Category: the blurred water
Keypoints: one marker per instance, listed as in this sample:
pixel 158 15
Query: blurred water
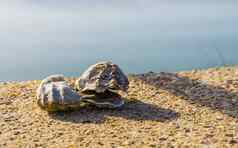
pixel 47 37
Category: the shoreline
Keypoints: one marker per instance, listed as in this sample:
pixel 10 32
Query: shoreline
pixel 128 74
pixel 194 108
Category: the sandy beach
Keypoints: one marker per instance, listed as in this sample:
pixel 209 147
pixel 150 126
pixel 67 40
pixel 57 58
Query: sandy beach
pixel 196 108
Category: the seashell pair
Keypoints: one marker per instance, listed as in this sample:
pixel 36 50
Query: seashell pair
pixel 103 85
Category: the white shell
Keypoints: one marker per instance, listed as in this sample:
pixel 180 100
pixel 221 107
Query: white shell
pixel 55 94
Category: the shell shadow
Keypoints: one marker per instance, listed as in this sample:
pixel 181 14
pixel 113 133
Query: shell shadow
pixel 134 110
pixel 194 91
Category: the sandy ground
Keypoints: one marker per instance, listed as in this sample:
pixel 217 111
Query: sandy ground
pixel 187 109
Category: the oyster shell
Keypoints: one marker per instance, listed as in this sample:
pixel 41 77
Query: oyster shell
pixel 55 94
pixel 104 100
pixel 106 81
pixel 102 77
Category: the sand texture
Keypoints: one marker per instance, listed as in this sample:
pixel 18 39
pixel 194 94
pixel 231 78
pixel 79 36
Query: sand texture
pixel 196 108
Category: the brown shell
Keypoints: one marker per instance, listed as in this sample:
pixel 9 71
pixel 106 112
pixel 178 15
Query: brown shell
pixel 102 77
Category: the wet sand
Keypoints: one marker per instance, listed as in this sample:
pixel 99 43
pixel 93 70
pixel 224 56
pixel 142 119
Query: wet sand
pixel 186 109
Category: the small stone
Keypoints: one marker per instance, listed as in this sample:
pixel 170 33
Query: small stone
pixel 219 118
pixel 4 144
pixel 100 143
pixel 229 135
pixel 87 132
pixel 23 136
pixel 16 132
pixel 162 139
pixel 233 141
pixel 209 135
pixel 207 126
pixel 152 145
pixel 187 130
pixel 36 140
pixel 60 134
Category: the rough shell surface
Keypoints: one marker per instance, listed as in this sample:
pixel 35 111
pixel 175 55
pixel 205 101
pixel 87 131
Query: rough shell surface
pixel 105 100
pixel 102 77
pixel 55 94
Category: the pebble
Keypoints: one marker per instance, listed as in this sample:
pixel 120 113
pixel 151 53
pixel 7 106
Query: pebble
pixel 162 139
pixel 233 141
pixel 229 135
pixel 219 118
pixel 17 132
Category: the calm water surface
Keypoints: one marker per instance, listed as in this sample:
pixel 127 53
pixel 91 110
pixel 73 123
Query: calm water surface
pixel 42 38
